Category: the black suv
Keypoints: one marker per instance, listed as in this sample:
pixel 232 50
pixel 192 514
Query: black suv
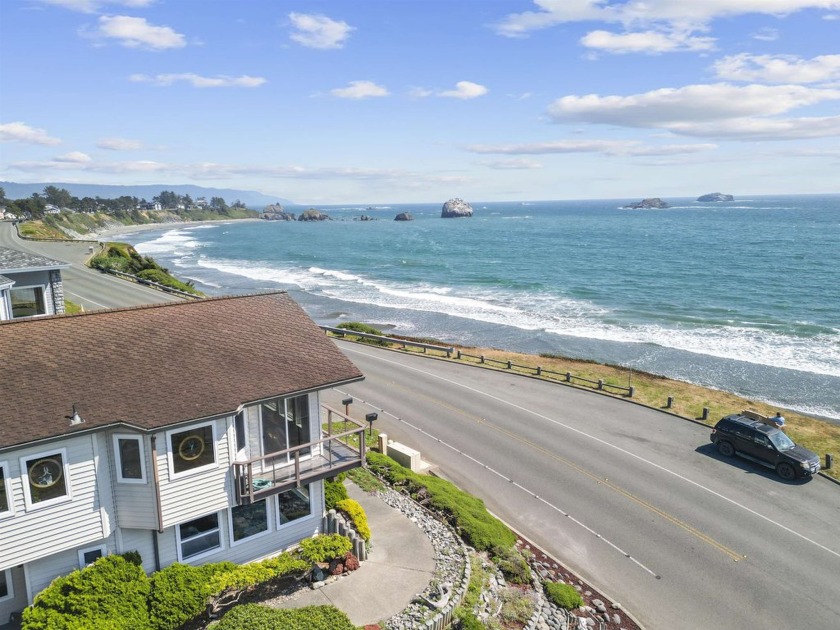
pixel 764 444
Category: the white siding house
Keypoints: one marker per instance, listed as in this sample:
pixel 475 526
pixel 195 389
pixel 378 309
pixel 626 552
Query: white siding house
pixel 152 444
pixel 30 285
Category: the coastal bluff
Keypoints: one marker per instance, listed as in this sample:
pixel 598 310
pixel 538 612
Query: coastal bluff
pixel 652 203
pixel 716 196
pixel 456 208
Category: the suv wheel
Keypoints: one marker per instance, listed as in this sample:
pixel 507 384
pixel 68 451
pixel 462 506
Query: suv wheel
pixel 725 448
pixel 786 471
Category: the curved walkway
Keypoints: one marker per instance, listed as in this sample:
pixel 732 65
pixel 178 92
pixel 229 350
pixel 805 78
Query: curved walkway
pixel 400 565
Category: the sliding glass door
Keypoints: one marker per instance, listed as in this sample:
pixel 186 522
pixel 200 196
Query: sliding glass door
pixel 285 424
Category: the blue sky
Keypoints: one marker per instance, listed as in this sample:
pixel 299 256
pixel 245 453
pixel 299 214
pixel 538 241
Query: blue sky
pixel 389 101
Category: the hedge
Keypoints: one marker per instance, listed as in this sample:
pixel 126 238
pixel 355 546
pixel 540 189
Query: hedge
pixel 334 491
pixel 111 594
pixel 179 593
pixel 255 617
pixel 325 548
pixel 357 514
pixel 466 513
pixel 563 595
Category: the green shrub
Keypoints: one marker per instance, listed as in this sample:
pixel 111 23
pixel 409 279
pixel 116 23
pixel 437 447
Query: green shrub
pixel 325 548
pixel 179 593
pixel 563 595
pixel 255 617
pixel 357 514
pixel 245 575
pixel 513 564
pixel 466 513
pixel 111 594
pixel 162 277
pixel 334 491
pixel 517 606
pixel 368 330
pixel 468 621
pixel 133 557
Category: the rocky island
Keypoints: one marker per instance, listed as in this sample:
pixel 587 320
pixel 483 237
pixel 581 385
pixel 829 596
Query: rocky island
pixel 455 208
pixel 716 196
pixel 404 216
pixel 275 212
pixel 652 203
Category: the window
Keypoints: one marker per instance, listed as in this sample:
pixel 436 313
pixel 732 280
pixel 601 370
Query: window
pixel 6 590
pixel 45 478
pixel 130 459
pixel 285 424
pixel 192 449
pixel 240 433
pixel 90 555
pixel 27 301
pixel 248 520
pixel 293 504
pixel 5 491
pixel 199 536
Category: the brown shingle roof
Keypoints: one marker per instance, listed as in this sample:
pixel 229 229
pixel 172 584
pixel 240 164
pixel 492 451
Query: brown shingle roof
pixel 158 365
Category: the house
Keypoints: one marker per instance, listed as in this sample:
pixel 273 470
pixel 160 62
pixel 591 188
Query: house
pixel 30 284
pixel 189 432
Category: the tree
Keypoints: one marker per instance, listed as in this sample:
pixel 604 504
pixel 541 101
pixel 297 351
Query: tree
pixel 218 204
pixel 58 197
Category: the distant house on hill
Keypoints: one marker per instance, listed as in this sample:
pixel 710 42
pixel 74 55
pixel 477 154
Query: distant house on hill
pixel 189 432
pixel 30 285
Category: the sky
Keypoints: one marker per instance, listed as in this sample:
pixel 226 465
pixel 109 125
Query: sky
pixel 420 101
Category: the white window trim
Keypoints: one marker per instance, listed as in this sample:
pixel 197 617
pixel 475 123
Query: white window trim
pixel 118 458
pixel 10 586
pixel 241 454
pixel 24 478
pixel 46 296
pixel 188 473
pixel 280 525
pixel 203 554
pixel 4 467
pixel 269 505
pixel 82 552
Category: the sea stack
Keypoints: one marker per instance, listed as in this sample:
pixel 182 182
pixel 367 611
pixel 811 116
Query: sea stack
pixel 716 197
pixel 404 216
pixel 455 208
pixel 275 212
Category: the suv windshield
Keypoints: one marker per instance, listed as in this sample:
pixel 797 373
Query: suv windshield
pixel 781 441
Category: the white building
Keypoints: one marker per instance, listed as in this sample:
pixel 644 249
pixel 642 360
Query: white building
pixel 189 432
pixel 30 285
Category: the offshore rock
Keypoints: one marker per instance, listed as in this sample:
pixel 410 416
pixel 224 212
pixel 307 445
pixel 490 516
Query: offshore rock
pixel 455 208
pixel 404 216
pixel 716 197
pixel 646 204
pixel 275 212
pixel 313 215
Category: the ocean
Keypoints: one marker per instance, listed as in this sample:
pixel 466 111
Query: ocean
pixel 741 296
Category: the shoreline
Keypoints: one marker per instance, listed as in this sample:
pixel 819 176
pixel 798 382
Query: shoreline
pixel 103 234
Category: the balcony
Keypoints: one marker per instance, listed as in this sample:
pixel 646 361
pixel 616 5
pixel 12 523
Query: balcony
pixel 341 448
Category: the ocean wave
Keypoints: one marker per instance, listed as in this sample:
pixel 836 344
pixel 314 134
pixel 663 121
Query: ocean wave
pixel 170 242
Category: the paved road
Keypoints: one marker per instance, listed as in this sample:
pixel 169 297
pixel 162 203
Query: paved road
pixel 89 288
pixel 633 499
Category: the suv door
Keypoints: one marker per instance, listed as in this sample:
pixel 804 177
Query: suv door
pixel 764 450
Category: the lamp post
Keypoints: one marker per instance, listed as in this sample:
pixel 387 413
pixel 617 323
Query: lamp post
pixel 370 418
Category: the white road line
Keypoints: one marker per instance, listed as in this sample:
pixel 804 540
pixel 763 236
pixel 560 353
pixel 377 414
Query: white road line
pixel 613 446
pixel 76 295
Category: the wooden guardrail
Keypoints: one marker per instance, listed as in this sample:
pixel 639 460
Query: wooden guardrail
pixel 150 283
pixel 448 350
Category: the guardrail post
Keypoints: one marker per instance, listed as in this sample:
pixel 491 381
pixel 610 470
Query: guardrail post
pixel 458 356
pixel 539 370
pixel 630 391
pixel 510 365
pixel 829 460
pixel 568 377
pixel 600 384
pixel 670 402
pixel 705 414
pixel 481 359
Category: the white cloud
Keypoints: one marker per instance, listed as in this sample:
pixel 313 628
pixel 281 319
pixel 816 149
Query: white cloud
pixel 506 165
pixel 199 81
pixel 629 12
pixel 465 90
pixel 134 32
pixel 673 108
pixel 92 6
pixel 319 31
pixel 778 68
pixel 360 90
pixel 763 128
pixel 74 157
pixel 119 144
pixel 21 132
pixel 653 42
pixel 766 34
pixel 605 147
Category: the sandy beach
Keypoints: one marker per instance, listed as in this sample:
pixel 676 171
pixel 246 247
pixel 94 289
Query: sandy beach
pixel 106 232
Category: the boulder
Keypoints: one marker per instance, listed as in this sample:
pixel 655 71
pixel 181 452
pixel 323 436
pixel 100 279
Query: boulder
pixel 716 197
pixel 646 204
pixel 455 208
pixel 404 216
pixel 313 215
pixel 275 212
